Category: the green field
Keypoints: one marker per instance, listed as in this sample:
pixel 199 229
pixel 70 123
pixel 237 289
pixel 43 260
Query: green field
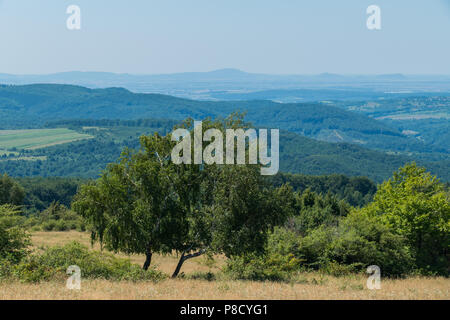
pixel 38 138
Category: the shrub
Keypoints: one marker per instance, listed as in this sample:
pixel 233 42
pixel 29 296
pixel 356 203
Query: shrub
pixel 14 241
pixel 315 210
pixel 57 218
pixel 272 267
pixel 415 204
pixel 62 225
pixel 49 225
pixel 53 263
pixel 358 241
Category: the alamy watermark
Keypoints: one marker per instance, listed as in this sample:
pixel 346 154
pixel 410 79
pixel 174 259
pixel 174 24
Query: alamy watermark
pixel 374 280
pixel 74 20
pixel 235 151
pixel 374 20
pixel 74 281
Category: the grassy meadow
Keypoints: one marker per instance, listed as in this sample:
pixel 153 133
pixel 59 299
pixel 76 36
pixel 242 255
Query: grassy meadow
pixel 37 138
pixel 194 284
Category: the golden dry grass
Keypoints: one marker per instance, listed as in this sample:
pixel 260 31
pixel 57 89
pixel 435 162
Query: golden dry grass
pixel 165 263
pixel 327 288
pixel 308 285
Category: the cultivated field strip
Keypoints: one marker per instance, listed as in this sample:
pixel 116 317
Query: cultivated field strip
pixel 38 138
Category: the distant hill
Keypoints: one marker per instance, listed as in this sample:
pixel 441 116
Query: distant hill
pixel 34 105
pixel 215 75
pixel 297 154
pixel 303 155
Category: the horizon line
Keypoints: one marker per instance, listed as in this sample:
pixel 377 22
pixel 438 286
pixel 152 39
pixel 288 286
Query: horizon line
pixel 235 70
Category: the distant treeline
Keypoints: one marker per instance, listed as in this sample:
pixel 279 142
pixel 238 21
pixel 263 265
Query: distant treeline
pixel 149 123
pixel 357 191
pixel 38 193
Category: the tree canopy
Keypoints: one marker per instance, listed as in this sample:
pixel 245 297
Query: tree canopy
pixel 145 203
pixel 417 206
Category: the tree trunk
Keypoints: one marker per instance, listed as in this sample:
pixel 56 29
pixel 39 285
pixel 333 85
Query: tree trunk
pixel 179 265
pixel 148 258
pixel 183 259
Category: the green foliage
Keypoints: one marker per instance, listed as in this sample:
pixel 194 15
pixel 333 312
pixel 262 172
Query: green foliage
pixel 302 155
pixel 53 263
pixel 366 241
pixel 146 203
pixel 278 263
pixel 14 241
pixel 404 231
pixel 298 154
pixel 274 267
pixel 40 192
pixel 58 218
pixel 55 218
pixel 10 191
pixel 357 191
pixel 244 210
pixel 416 206
pixel 357 242
pixel 313 210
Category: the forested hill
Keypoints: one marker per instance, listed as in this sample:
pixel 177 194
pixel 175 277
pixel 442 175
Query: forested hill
pixel 33 105
pixel 298 154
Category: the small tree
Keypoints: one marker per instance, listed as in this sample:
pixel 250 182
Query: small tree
pixel 146 203
pixel 10 191
pixel 13 239
pixel 414 204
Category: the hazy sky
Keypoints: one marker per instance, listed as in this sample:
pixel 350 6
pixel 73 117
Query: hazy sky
pixel 263 36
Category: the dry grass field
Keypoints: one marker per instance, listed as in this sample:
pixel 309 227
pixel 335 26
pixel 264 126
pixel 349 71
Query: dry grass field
pixel 307 285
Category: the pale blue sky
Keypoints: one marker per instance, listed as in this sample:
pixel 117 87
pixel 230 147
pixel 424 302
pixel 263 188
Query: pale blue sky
pixel 263 36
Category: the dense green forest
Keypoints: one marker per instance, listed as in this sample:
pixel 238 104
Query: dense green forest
pixel 34 105
pixel 298 154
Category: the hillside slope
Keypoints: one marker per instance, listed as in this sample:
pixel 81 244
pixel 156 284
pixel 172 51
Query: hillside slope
pixel 34 105
pixel 298 154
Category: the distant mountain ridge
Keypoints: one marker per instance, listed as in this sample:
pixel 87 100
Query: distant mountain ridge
pixel 188 84
pixel 230 73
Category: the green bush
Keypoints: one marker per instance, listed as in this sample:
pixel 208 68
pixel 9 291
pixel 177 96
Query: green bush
pixel 33 270
pixel 62 225
pixel 80 226
pixel 54 261
pixel 355 243
pixel 314 210
pixel 358 241
pixel 49 225
pixel 5 268
pixel 272 267
pixel 417 207
pixel 14 241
